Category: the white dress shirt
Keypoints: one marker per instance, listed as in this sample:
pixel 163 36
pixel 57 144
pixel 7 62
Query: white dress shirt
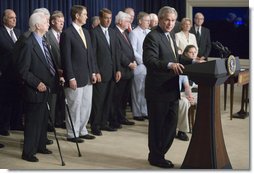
pixel 182 41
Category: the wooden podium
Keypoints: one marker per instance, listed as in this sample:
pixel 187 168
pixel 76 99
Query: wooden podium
pixel 207 147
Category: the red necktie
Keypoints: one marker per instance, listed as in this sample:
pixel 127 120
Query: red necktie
pixel 125 37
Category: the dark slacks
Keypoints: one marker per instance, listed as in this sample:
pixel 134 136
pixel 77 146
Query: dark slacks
pixel 121 97
pixel 102 102
pixel 163 118
pixel 35 134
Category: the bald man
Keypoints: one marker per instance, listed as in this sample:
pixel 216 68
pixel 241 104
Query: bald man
pixel 9 91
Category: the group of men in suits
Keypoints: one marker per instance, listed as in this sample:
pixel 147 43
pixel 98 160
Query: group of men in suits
pixel 96 68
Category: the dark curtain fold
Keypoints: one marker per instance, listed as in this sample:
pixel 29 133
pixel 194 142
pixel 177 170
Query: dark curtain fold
pixel 24 8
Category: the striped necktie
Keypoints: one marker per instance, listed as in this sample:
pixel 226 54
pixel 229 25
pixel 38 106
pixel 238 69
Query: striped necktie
pixel 48 57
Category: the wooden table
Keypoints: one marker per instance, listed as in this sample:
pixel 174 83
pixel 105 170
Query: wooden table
pixel 243 79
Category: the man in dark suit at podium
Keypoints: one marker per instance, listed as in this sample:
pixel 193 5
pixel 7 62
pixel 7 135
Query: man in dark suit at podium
pixel 202 35
pixel 162 86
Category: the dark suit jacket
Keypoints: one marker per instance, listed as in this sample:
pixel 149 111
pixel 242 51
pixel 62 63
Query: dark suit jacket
pixel 54 46
pixel 33 69
pixel 6 50
pixel 107 57
pixel 77 61
pixel 204 46
pixel 126 55
pixel 161 83
pixel 8 77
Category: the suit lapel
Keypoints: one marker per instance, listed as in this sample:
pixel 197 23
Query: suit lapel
pixel 53 38
pixel 166 42
pixel 7 36
pixel 102 35
pixel 39 52
pixel 17 32
pixel 77 36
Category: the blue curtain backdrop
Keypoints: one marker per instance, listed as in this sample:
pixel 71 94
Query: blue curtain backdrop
pixel 24 8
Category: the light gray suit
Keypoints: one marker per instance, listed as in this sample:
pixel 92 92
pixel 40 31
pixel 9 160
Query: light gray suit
pixel 139 107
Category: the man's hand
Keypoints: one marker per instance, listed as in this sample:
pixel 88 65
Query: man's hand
pixel 41 87
pixel 61 79
pixel 132 65
pixel 191 99
pixel 118 76
pixel 94 79
pixel 177 68
pixel 98 76
pixel 73 84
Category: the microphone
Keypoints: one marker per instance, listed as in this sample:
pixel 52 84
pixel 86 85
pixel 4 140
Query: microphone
pixel 224 51
pixel 221 46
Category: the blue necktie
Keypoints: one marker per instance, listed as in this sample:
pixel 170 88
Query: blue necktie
pixel 12 36
pixel 107 36
pixel 48 58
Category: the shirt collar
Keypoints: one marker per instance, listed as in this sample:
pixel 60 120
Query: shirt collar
pixel 8 29
pixel 77 27
pixel 103 28
pixel 120 29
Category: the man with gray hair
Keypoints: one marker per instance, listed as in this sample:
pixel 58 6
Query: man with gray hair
pixel 127 65
pixel 162 86
pixel 95 20
pixel 153 20
pixel 38 71
pixel 137 36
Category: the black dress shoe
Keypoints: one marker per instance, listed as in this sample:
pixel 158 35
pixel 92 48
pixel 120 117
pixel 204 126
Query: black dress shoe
pixel 182 136
pixel 127 122
pixel 45 151
pixel 63 126
pixel 18 128
pixel 162 163
pixel 87 136
pixel 50 128
pixel 115 125
pixel 139 118
pixel 30 158
pixel 4 133
pixel 96 132
pixel 49 142
pixel 74 140
pixel 1 145
pixel 108 128
pixel 146 117
pixel 170 163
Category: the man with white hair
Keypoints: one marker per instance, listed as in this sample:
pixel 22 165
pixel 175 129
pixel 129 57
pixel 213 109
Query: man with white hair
pixel 153 20
pixel 127 65
pixel 38 71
